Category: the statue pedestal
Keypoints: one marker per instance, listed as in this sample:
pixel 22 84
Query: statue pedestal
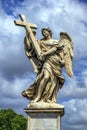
pixel 44 119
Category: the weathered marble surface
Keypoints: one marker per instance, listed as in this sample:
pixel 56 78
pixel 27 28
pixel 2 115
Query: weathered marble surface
pixel 44 119
pixel 39 105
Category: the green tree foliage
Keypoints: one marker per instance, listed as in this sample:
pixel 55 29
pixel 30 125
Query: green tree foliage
pixel 9 120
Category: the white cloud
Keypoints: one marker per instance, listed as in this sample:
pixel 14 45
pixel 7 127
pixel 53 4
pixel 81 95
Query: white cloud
pixel 10 96
pixel 75 114
pixel 15 87
pixel 74 87
pixel 60 16
pixel 12 55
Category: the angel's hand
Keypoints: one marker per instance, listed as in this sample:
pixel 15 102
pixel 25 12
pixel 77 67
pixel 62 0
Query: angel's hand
pixel 42 56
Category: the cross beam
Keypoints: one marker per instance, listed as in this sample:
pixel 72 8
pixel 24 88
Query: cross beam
pixel 29 26
pixel 24 22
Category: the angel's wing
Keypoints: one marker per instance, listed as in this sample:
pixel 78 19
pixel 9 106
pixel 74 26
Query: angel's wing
pixel 68 53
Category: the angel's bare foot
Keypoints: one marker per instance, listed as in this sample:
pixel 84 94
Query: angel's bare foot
pixel 42 100
pixel 35 100
pixel 49 101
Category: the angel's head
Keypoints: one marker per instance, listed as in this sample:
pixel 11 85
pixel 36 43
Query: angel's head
pixel 46 32
pixel 64 35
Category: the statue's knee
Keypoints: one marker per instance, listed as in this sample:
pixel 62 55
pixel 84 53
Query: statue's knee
pixel 46 78
pixel 54 83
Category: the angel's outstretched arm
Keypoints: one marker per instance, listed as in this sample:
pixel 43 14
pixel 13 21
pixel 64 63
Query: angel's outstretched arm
pixel 51 51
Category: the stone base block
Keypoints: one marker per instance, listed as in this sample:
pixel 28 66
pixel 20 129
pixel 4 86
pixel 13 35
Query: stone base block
pixel 44 119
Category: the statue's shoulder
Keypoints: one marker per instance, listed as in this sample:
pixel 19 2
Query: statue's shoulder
pixel 54 40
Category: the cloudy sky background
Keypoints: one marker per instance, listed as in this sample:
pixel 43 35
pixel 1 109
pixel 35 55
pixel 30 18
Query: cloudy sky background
pixel 16 72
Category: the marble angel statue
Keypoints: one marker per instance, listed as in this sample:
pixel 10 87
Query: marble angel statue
pixel 48 57
pixel 55 54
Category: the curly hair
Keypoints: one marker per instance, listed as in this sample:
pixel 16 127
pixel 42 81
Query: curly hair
pixel 47 29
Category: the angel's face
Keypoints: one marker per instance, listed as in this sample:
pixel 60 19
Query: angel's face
pixel 45 33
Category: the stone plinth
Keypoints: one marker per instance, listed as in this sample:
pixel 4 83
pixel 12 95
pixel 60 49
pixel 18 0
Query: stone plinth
pixel 44 119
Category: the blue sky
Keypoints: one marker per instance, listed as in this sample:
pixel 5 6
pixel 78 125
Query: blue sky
pixel 16 72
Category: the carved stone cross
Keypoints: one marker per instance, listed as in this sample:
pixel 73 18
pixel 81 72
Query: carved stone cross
pixel 28 27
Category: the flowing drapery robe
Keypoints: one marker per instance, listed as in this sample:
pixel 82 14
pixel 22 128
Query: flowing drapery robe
pixel 53 64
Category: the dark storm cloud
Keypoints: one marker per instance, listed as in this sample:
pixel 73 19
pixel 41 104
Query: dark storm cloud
pixel 10 96
pixel 76 117
pixel 13 61
pixel 10 5
pixel 15 66
pixel 17 105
